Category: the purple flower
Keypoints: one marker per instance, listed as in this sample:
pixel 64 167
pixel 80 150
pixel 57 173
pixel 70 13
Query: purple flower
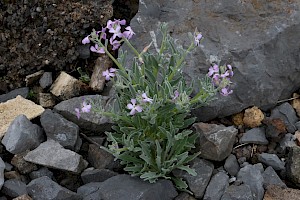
pixel 133 107
pixel 129 33
pixel 77 112
pixel 226 74
pixel 176 95
pixel 216 79
pixel 115 27
pixel 146 99
pixel 226 91
pixel 115 43
pixel 229 67
pixel 197 37
pixel 86 40
pixel 109 73
pixel 97 49
pixel 212 70
pixel 103 30
pixel 86 108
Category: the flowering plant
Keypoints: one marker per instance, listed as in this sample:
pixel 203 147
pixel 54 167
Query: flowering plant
pixel 152 103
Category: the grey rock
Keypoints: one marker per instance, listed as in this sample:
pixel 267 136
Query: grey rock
pixel 46 154
pixel 287 141
pixel 44 171
pixel 198 183
pixel 293 165
pixel 46 80
pixel 245 34
pixel 44 188
pixel 96 175
pixel 22 165
pixel 287 113
pixel 14 93
pixel 271 160
pixel 91 121
pixel 297 124
pixel 215 141
pixel 251 176
pixel 217 186
pixel 8 166
pixel 255 136
pixel 14 188
pixel 184 196
pixel 2 167
pixel 271 178
pixel 231 165
pixel 240 192
pixel 61 130
pixel 22 135
pixel 89 188
pixel 125 187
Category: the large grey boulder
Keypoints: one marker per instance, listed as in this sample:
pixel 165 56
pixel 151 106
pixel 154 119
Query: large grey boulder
pixel 260 39
pixel 52 154
pixel 22 135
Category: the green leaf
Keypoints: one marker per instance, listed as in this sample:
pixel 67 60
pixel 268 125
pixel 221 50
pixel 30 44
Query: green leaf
pixel 158 154
pixel 188 170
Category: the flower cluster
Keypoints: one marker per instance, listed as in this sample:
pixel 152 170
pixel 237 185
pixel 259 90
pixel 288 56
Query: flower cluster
pixel 134 107
pixel 85 108
pixel 221 78
pixel 113 27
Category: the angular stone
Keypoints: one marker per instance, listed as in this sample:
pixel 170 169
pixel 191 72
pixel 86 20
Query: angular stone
pixel 253 117
pixel 2 167
pixel 61 130
pixel 14 93
pixel 23 197
pixel 44 171
pixel 251 176
pixel 275 192
pixel 96 175
pixel 103 63
pixel 32 78
pixel 231 165
pixel 255 136
pixel 47 155
pixel 46 80
pixel 15 107
pixel 246 34
pixel 271 160
pixel 46 100
pixel 14 188
pixel 217 186
pixel 91 121
pixel 293 165
pixel 99 158
pixel 215 141
pixel 66 86
pixel 22 135
pixel 271 178
pixel 45 188
pixel 287 113
pixel 198 183
pixel 240 192
pixel 184 196
pixel 287 141
pixel 89 188
pixel 125 187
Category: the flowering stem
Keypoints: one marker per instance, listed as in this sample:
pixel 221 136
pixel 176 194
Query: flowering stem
pixel 131 47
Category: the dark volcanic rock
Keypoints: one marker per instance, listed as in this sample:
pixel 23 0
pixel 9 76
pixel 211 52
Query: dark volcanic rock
pixel 260 39
pixel 293 165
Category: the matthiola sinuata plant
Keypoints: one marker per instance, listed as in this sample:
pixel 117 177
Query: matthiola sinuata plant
pixel 152 106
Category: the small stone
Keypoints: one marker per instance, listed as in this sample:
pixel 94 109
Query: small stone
pixel 215 142
pixel 293 165
pixel 287 141
pixel 253 117
pixel 96 175
pixel 184 196
pixel 15 107
pixel 23 197
pixel 297 136
pixel 237 119
pixel 275 192
pixel 296 103
pixel 45 188
pixel 22 165
pixel 22 135
pixel 276 128
pixel 46 80
pixel 231 165
pixel 254 136
pixel 46 100
pixel 217 186
pixel 14 188
pixel 46 154
pixel 32 78
pixel 271 160
pixel 240 192
pixel 2 167
pixel 66 86
pixel 99 158
pixel 44 171
pixel 14 93
pixel 271 178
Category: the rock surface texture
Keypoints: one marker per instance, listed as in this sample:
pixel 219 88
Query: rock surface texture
pixel 260 39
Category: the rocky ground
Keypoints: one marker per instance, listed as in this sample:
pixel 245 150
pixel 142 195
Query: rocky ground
pixel 48 153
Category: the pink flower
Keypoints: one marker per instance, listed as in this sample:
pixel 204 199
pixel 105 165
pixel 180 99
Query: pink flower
pixel 226 91
pixel 115 43
pixel 213 69
pixel 146 99
pixel 129 33
pixel 86 108
pixel 77 112
pixel 86 40
pixel 197 37
pixel 97 49
pixel 115 27
pixel 109 73
pixel 133 107
pixel 176 95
